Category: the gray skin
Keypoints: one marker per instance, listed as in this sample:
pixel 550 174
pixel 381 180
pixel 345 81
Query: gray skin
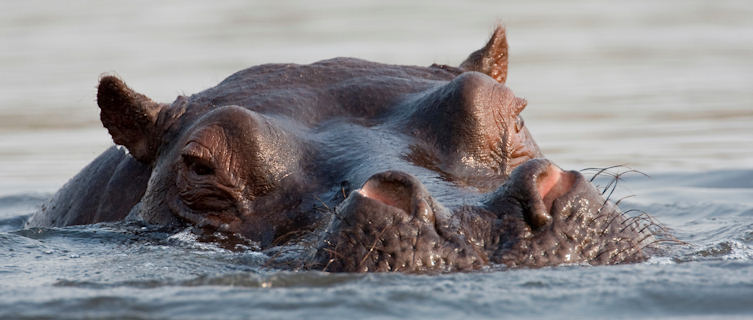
pixel 450 178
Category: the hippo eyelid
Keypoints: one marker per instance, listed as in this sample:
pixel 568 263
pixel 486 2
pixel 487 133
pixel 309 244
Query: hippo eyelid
pixel 198 166
pixel 197 150
pixel 198 159
pixel 519 123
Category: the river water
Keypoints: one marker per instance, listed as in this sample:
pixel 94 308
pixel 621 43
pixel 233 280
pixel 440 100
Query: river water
pixel 663 87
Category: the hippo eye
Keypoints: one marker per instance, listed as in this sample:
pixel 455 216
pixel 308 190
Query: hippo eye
pixel 519 123
pixel 197 165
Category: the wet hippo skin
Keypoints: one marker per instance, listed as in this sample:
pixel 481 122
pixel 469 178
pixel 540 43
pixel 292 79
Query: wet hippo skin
pixel 375 167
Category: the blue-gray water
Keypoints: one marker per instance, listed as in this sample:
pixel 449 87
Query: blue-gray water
pixel 660 86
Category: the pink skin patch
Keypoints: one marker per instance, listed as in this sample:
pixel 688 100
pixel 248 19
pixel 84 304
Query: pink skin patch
pixel 553 184
pixel 391 194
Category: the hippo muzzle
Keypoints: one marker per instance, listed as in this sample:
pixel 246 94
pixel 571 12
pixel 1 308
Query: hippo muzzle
pixel 542 216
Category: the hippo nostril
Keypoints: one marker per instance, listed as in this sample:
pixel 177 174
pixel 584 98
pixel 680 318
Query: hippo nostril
pixel 552 184
pixel 390 192
pixel 533 189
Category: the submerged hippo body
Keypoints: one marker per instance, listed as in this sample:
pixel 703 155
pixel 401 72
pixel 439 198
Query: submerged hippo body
pixel 380 167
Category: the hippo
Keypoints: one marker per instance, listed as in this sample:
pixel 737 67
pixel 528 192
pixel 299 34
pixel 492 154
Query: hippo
pixel 375 167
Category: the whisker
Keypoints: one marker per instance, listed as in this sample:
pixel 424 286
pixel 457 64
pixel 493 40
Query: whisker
pixel 606 227
pixel 600 171
pixel 333 252
pixel 649 219
pixel 323 203
pixel 612 184
pixel 644 228
pixel 373 245
pixel 597 217
pixel 642 216
pixel 598 212
pixel 635 222
pixel 605 171
pixel 599 254
pixel 616 255
pixel 673 241
pixel 635 171
pixel 329 262
pixel 644 238
pixel 635 210
pixel 617 203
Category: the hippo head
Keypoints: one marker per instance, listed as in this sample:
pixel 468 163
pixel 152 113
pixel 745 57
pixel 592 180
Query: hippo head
pixel 449 176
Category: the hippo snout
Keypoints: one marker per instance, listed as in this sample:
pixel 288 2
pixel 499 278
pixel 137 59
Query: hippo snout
pixel 567 220
pixel 541 216
pixel 536 186
pixel 391 224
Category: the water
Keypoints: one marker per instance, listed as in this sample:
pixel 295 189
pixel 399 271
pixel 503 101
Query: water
pixel 659 86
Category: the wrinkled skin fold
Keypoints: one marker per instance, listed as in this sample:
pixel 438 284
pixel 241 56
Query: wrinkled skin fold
pixel 366 166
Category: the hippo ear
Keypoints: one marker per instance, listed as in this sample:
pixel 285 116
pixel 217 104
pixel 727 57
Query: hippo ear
pixel 492 58
pixel 129 117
